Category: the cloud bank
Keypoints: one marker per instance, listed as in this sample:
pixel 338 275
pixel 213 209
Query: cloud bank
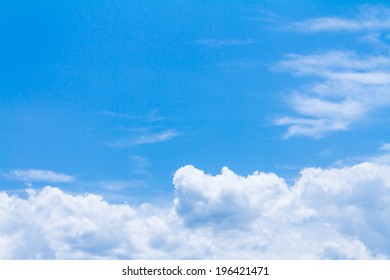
pixel 326 214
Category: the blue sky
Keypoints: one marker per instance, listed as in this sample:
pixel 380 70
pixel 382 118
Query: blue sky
pixel 114 97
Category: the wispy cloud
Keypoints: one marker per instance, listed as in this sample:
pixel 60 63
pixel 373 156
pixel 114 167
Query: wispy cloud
pixel 151 116
pixel 141 129
pixel 119 185
pixel 140 164
pixel 370 18
pixel 146 138
pixel 225 42
pixel 119 115
pixel 332 62
pixel 382 156
pixel 344 88
pixel 37 175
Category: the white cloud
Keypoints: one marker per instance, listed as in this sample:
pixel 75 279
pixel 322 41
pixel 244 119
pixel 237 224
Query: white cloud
pixel 203 198
pixel 345 88
pixel 370 18
pixel 37 175
pixel 328 213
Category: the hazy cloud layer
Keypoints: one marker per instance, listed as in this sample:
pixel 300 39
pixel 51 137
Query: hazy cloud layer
pixel 369 18
pixel 328 213
pixel 37 175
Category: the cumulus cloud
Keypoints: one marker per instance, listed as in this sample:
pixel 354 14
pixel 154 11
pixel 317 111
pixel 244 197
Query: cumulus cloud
pixel 37 175
pixel 203 198
pixel 327 214
pixel 346 88
pixel 52 224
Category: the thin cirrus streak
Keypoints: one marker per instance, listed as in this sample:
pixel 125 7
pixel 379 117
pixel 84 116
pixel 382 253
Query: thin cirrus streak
pixel 225 42
pixel 145 138
pixel 152 116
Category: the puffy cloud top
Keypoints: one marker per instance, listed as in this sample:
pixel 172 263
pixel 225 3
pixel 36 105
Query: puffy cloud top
pixel 229 198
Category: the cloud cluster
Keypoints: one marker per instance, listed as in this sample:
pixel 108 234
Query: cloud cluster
pixel 347 87
pixel 342 87
pixel 328 213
